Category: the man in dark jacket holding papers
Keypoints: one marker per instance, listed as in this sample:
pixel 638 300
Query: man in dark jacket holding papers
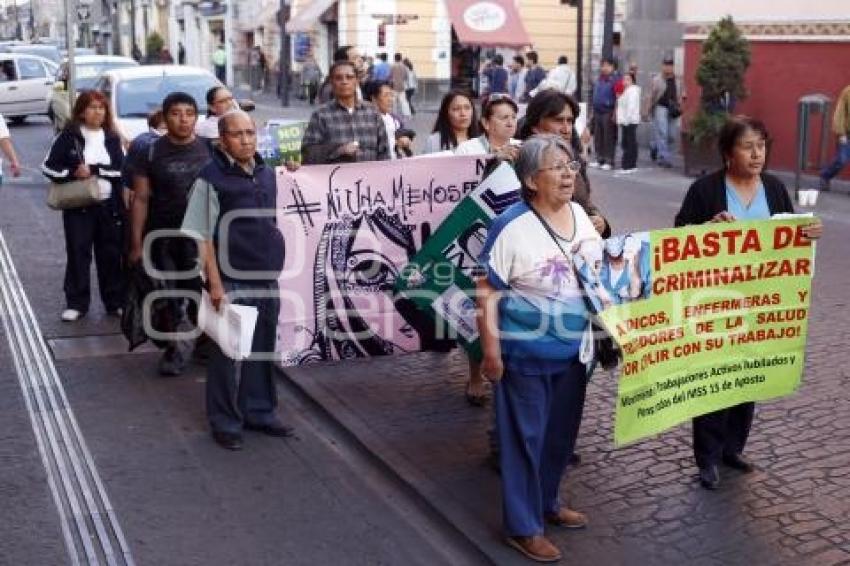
pixel 232 211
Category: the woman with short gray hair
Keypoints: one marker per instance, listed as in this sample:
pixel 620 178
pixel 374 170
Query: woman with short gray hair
pixel 532 318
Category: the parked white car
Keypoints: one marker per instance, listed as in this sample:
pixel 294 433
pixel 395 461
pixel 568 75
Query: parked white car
pixel 26 82
pixel 88 70
pixel 135 92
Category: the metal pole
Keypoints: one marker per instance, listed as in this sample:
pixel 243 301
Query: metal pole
pixel 579 48
pixel 608 30
pixel 132 26
pixel 229 44
pixel 33 27
pixel 19 32
pixel 285 52
pixel 70 27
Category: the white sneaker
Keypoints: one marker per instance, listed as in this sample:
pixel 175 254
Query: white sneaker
pixel 594 164
pixel 70 315
pixel 606 167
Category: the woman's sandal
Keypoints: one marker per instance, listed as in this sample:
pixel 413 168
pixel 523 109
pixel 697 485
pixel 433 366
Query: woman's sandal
pixel 475 400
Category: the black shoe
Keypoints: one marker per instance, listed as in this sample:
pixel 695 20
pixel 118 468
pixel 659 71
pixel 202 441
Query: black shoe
pixel 228 440
pixel 277 429
pixel 494 463
pixel 665 164
pixel 575 459
pixel 653 154
pixel 709 477
pixel 738 462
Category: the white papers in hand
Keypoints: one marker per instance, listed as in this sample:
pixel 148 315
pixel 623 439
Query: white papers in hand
pixel 232 328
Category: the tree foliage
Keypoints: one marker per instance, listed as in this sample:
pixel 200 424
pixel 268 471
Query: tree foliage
pixel 720 74
pixel 153 44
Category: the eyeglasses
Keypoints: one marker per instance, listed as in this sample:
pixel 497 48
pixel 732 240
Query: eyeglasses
pixel 564 166
pixel 222 100
pixel 241 133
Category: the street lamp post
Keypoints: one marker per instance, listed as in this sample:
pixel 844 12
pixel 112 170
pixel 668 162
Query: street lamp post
pixel 229 44
pixel 70 26
pixel 132 26
pixel 579 48
pixel 608 30
pixel 285 51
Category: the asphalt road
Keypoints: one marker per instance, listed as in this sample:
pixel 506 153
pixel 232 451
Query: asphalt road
pixel 178 498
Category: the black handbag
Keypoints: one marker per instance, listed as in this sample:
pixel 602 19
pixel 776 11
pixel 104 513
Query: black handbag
pixel 674 110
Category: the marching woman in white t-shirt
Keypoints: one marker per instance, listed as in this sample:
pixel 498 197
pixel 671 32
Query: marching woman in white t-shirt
pixel 533 321
pixel 499 122
pixel 90 146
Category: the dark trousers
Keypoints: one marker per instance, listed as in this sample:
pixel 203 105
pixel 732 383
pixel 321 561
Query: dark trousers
pixel 538 414
pixel 409 93
pixel 604 137
pixel 221 73
pixel 842 158
pixel 312 92
pixel 722 433
pixel 630 146
pixel 100 228
pixel 252 398
pixel 178 256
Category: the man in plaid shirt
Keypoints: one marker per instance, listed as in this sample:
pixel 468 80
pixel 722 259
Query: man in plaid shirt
pixel 345 129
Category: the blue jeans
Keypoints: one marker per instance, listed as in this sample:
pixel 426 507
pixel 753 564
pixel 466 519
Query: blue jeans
pixel 842 158
pixel 661 141
pixel 538 414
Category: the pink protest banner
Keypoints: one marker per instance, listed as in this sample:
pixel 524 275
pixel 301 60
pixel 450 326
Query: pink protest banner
pixel 349 229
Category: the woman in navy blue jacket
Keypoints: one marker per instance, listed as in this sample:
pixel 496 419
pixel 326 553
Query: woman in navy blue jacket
pixel 90 146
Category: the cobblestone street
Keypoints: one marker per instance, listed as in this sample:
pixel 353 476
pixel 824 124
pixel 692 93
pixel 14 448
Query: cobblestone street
pixel 644 502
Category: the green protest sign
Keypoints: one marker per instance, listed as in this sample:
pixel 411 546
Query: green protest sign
pixel 439 279
pixel 281 141
pixel 723 322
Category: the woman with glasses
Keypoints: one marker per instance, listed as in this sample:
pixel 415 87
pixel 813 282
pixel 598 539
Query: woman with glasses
pixel 498 120
pixel 220 101
pixel 456 123
pixel 739 191
pixel 532 317
pixel 553 112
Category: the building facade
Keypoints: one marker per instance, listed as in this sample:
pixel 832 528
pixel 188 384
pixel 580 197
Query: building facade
pixel 425 33
pixel 798 48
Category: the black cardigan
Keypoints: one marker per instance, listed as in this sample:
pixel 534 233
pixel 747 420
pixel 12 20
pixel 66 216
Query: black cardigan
pixel 65 156
pixel 707 197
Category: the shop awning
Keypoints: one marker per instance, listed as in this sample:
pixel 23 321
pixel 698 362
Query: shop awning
pixel 305 19
pixel 487 23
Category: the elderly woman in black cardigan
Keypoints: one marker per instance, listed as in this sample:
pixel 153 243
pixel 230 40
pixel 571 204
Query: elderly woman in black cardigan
pixel 739 191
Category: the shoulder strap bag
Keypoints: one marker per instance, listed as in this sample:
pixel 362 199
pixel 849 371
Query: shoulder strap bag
pixel 605 349
pixel 73 194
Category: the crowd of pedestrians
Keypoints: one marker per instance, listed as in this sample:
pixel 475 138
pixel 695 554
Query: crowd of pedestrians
pixel 180 178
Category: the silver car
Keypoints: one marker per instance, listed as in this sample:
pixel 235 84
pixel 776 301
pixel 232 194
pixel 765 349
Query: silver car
pixel 25 85
pixel 137 91
pixel 89 68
